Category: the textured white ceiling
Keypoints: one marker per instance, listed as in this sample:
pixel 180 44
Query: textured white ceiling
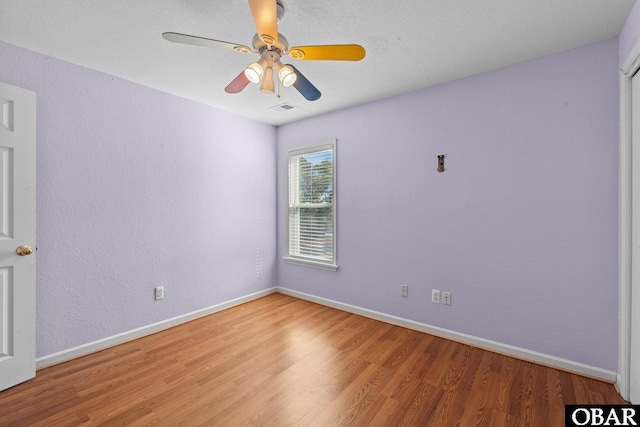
pixel 410 44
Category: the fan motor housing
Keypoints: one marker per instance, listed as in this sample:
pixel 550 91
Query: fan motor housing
pixel 281 46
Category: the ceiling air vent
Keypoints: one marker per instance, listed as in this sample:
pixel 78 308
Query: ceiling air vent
pixel 282 107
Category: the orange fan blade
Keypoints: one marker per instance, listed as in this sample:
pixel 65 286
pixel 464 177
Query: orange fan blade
pixel 265 16
pixel 334 52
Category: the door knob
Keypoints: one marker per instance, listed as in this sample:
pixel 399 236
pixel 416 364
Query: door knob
pixel 24 250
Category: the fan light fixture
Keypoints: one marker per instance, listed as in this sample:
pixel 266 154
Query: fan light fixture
pixel 286 74
pixel 267 85
pixel 254 71
pixel 263 71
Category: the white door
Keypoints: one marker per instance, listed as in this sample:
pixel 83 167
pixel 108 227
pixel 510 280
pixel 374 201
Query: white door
pixel 17 235
pixel 634 381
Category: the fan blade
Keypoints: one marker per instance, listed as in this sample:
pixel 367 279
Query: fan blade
pixel 237 84
pixel 265 16
pixel 333 52
pixel 201 41
pixel 305 87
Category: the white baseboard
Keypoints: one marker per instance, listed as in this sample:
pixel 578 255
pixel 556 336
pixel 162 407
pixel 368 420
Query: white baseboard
pixel 509 350
pixel 92 347
pixel 506 349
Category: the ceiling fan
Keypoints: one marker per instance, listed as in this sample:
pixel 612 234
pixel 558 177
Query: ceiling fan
pixel 271 46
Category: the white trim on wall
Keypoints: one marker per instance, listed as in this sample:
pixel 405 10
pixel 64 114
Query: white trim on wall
pixel 496 347
pixel 509 350
pixel 630 66
pixel 92 347
pixel 625 239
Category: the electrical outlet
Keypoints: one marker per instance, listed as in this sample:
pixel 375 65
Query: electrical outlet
pixel 159 293
pixel 446 298
pixel 404 290
pixel 435 296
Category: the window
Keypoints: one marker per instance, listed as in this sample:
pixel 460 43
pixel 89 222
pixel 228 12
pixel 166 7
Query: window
pixel 312 206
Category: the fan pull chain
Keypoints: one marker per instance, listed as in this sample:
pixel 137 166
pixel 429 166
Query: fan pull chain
pixel 278 95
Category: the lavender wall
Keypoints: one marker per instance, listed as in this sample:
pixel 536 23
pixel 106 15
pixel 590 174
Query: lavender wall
pixel 138 188
pixel 521 228
pixel 630 33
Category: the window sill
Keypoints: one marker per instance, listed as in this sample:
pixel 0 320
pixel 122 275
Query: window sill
pixel 310 263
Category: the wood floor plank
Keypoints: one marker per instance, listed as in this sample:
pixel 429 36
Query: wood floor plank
pixel 422 408
pixel 476 407
pixel 406 377
pixel 282 361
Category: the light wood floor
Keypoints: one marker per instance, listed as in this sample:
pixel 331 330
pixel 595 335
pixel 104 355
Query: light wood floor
pixel 281 361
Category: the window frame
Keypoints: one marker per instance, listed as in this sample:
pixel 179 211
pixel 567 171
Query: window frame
pixel 303 260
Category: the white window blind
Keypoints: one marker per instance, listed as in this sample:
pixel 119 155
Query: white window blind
pixel 311 231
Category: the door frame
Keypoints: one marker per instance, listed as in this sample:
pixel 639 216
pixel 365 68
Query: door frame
pixel 629 68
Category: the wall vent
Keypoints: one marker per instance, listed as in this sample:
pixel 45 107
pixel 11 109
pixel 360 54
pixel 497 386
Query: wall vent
pixel 282 107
